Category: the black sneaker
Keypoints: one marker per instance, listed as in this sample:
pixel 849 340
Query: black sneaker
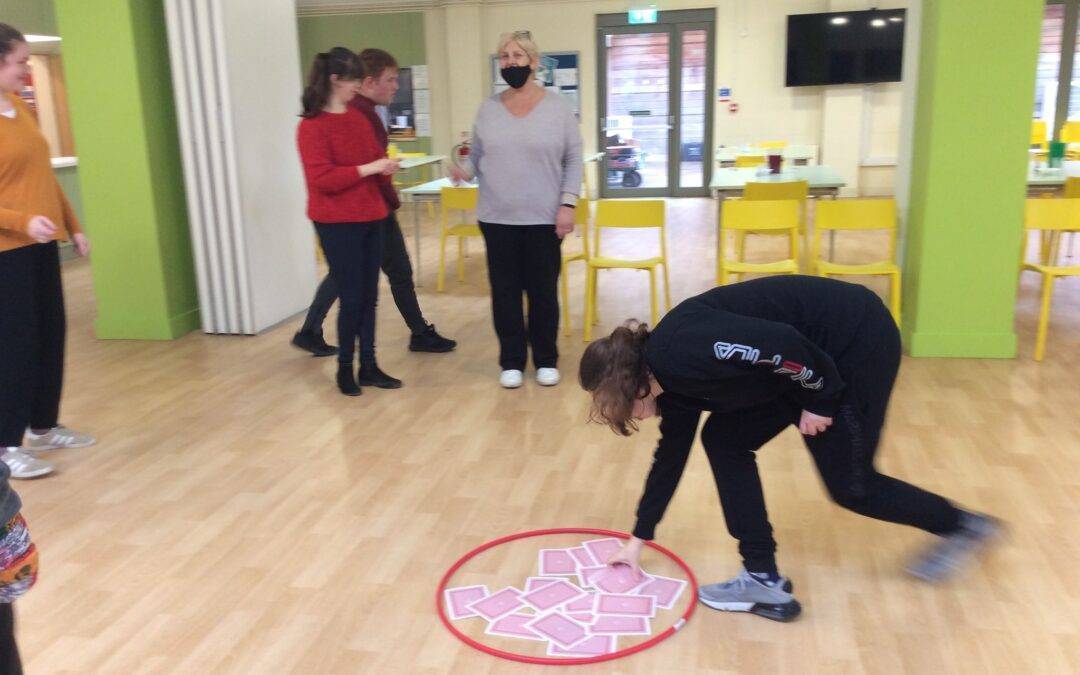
pixel 346 382
pixel 371 376
pixel 314 343
pixel 430 341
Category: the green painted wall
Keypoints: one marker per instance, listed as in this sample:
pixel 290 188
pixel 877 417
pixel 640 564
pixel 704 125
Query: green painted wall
pixel 968 183
pixel 400 33
pixel 30 16
pixel 123 118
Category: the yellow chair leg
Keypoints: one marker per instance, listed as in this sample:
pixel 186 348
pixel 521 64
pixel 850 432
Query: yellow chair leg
pixel 652 296
pixel 894 298
pixel 460 259
pixel 590 301
pixel 564 286
pixel 740 246
pixel 667 290
pixel 1044 317
pixel 441 283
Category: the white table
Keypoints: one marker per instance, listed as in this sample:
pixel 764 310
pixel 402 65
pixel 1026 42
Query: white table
pixel 823 181
pixel 796 154
pixel 419 194
pixel 414 162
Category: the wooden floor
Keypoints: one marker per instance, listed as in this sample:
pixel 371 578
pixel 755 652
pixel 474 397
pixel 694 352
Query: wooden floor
pixel 240 516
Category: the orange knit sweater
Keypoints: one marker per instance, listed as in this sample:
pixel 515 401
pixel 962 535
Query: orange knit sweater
pixel 28 185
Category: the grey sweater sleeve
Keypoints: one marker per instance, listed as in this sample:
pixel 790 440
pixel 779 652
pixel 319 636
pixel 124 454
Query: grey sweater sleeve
pixel 573 167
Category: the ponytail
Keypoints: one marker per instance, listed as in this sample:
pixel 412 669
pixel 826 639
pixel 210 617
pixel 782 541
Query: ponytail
pixel 614 371
pixel 338 61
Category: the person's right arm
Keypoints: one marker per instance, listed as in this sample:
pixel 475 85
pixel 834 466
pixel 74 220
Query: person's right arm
pixel 678 428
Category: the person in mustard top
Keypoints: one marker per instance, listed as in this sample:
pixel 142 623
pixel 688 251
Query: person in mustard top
pixel 34 216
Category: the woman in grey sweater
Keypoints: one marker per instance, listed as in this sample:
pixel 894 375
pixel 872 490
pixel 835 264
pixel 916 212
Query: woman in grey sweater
pixel 526 154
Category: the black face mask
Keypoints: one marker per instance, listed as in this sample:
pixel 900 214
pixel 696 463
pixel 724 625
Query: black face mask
pixel 516 76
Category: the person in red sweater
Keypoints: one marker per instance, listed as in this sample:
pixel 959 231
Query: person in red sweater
pixel 344 167
pixel 377 88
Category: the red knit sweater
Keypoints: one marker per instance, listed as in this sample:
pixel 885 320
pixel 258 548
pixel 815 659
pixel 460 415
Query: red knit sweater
pixel 332 146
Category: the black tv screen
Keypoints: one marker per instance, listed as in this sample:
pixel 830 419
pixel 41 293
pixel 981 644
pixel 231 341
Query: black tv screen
pixel 845 47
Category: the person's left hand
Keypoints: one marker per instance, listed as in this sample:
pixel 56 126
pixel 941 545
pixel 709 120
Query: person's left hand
pixel 564 221
pixel 812 425
pixel 82 244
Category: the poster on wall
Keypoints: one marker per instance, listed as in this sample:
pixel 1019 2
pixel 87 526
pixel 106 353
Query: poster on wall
pixel 557 72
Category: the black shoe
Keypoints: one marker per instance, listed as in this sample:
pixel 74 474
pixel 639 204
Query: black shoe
pixel 346 382
pixel 430 341
pixel 314 343
pixel 371 376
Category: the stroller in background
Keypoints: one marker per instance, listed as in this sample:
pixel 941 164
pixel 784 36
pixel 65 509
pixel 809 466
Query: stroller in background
pixel 624 158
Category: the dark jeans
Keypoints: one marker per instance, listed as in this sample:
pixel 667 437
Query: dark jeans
pixel 524 259
pixel 398 270
pixel 844 455
pixel 32 333
pixel 353 251
pixel 9 651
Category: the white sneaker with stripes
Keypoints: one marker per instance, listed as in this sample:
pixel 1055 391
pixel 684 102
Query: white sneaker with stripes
pixel 57 438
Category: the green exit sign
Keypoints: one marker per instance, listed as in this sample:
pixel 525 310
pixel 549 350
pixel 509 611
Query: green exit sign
pixel 636 16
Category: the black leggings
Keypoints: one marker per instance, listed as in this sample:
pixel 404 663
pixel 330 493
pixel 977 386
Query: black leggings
pixel 353 252
pixel 844 455
pixel 32 334
pixel 9 651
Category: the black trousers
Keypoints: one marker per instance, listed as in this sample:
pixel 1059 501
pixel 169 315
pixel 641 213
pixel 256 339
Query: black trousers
pixel 524 259
pixel 32 334
pixel 398 270
pixel 353 252
pixel 9 651
pixel 844 455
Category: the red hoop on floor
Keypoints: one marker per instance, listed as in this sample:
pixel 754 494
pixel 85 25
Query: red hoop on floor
pixel 547 660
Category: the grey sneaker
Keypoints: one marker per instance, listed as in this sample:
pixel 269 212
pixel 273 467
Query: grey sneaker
pixel 744 593
pixel 57 438
pixel 23 465
pixel 953 551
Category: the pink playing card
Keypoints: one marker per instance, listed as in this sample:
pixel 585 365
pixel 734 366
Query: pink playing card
pixel 620 625
pixel 590 646
pixel 551 596
pixel 556 561
pixel 497 604
pixel 559 628
pixel 603 549
pixel 582 617
pixel 626 605
pixel 665 589
pixel 618 579
pixel 513 625
pixel 533 583
pixel 582 556
pixel 585 603
pixel 458 599
pixel 587 575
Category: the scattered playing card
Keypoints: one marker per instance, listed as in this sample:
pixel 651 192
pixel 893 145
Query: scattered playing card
pixel 513 625
pixel 497 604
pixel 626 605
pixel 619 579
pixel 551 596
pixel 556 562
pixel 603 549
pixel 620 625
pixel 582 556
pixel 560 629
pixel 582 617
pixel 665 589
pixel 533 583
pixel 458 599
pixel 585 603
pixel 587 575
pixel 594 645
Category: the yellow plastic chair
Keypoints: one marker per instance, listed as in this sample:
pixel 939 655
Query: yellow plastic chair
pixel 581 221
pixel 859 215
pixel 772 145
pixel 1038 134
pixel 1070 132
pixel 748 161
pixel 456 199
pixel 797 190
pixel 1054 216
pixel 738 215
pixel 633 214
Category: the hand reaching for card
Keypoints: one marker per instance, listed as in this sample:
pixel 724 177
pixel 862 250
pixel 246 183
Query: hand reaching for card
pixel 630 554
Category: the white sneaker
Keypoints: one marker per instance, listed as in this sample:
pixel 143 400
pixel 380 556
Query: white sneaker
pixel 57 438
pixel 511 379
pixel 23 465
pixel 548 377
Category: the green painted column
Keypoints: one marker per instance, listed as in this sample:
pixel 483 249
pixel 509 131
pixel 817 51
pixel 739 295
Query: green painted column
pixel 116 59
pixel 976 79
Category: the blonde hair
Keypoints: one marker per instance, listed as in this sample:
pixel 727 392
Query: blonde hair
pixel 524 40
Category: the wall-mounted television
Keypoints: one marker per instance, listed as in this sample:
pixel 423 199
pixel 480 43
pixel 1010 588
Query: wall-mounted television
pixel 845 47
